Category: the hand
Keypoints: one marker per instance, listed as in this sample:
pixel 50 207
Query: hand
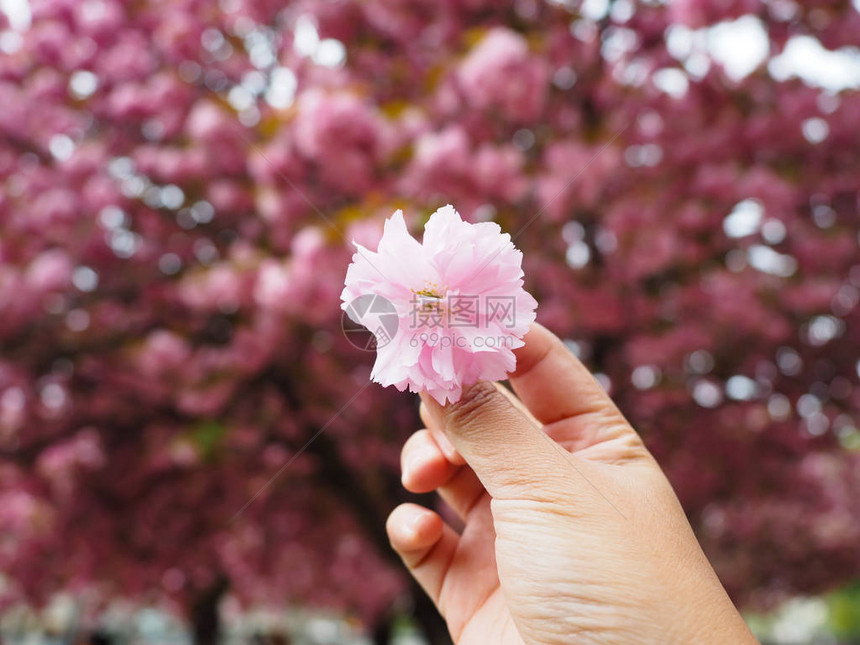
pixel 571 532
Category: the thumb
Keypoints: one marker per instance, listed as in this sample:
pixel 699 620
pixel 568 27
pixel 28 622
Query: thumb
pixel 508 451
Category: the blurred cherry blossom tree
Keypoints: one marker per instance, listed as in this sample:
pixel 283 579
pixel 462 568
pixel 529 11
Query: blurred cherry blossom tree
pixel 181 418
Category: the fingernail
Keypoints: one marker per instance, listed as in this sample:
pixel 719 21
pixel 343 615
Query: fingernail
pixel 446 447
pixel 436 411
pixel 412 524
pixel 409 464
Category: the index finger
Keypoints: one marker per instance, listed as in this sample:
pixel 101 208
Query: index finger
pixel 553 383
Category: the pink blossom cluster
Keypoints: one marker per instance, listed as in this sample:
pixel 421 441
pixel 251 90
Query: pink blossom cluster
pixel 179 183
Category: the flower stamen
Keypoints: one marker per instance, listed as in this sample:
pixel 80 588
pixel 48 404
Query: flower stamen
pixel 431 297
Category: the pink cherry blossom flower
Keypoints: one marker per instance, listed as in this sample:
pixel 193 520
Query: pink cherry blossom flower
pixel 457 299
pixel 500 73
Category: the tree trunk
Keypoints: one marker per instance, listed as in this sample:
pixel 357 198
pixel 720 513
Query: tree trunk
pixel 382 632
pixel 367 512
pixel 431 623
pixel 205 618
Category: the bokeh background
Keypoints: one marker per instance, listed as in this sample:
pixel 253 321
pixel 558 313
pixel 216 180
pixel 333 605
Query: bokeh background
pixel 188 447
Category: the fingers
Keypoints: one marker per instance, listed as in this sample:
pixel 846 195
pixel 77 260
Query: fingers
pixel 552 382
pixel 438 433
pixel 423 466
pixel 519 405
pixel 563 395
pixel 510 454
pixel 425 544
pixel 426 469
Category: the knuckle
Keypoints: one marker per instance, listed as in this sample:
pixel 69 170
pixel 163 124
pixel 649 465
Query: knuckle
pixel 476 401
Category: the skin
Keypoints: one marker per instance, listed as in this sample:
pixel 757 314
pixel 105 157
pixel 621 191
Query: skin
pixel 570 530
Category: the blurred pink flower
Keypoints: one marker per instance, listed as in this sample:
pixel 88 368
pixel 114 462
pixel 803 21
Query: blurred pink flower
pixel 445 163
pixel 500 73
pixel 50 271
pixel 459 301
pixel 347 124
